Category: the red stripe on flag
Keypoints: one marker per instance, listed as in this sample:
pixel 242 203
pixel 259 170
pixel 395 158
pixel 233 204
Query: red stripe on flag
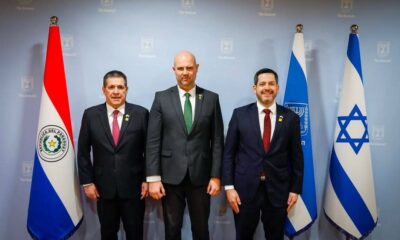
pixel 54 78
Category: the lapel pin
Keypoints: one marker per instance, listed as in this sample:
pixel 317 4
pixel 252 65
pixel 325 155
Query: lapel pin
pixel 200 96
pixel 126 117
pixel 280 119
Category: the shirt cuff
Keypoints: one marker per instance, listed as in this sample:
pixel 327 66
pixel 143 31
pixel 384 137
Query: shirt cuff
pixel 87 184
pixel 153 179
pixel 229 187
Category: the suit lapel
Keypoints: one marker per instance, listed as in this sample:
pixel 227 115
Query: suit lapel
pixel 199 99
pixel 254 121
pixel 278 124
pixel 176 103
pixel 105 123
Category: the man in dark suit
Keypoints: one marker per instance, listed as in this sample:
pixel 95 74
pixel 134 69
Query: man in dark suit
pixel 184 150
pixel 115 132
pixel 263 161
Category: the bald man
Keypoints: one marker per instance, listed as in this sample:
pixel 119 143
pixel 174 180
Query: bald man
pixel 184 149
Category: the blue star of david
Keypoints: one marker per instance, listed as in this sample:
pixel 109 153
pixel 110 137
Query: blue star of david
pixel 344 136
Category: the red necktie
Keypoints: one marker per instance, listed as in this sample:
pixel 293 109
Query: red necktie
pixel 267 129
pixel 115 127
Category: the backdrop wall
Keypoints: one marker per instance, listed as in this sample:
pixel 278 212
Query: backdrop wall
pixel 231 39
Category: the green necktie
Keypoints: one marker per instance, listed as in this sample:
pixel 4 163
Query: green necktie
pixel 187 113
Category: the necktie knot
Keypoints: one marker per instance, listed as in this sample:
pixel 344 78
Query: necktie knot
pixel 187 95
pixel 267 111
pixel 115 113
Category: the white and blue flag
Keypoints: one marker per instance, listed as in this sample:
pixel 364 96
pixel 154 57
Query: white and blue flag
pixel 304 212
pixel 349 194
pixel 55 210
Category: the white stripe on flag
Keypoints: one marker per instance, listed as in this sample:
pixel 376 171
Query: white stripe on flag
pixel 299 216
pixel 63 169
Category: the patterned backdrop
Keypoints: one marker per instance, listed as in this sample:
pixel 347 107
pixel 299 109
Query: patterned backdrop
pixel 231 39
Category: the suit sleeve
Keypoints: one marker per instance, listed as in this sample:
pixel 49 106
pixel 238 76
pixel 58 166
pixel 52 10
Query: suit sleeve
pixel 217 140
pixel 296 157
pixel 231 146
pixel 153 143
pixel 85 167
pixel 145 128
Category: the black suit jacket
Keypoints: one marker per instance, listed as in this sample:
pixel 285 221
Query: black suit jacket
pixel 171 151
pixel 245 158
pixel 116 169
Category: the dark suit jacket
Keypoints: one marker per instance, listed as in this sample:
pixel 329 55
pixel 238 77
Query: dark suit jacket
pixel 245 158
pixel 115 169
pixel 171 151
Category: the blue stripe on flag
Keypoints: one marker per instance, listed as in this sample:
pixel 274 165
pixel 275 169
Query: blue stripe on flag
pixel 289 229
pixel 349 197
pixel 47 216
pixel 297 92
pixel 353 53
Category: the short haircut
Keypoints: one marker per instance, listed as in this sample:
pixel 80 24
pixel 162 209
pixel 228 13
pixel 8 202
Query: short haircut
pixel 114 73
pixel 264 70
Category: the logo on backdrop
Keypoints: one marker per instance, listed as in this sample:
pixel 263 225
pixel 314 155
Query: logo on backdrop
pixel 147 47
pixel 26 171
pixel 300 109
pixel 187 7
pixel 383 52
pixel 25 5
pixel 346 9
pixel 107 6
pixel 52 143
pixel 27 87
pixel 67 42
pixel 226 49
pixel 378 135
pixel 308 48
pixel 267 8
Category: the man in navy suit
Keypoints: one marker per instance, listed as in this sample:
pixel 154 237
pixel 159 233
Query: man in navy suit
pixel 115 133
pixel 263 161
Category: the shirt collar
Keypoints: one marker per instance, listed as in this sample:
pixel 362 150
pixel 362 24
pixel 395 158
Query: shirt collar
pixel 261 108
pixel 110 110
pixel 191 91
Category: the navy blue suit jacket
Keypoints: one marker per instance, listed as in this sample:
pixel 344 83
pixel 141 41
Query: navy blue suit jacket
pixel 245 158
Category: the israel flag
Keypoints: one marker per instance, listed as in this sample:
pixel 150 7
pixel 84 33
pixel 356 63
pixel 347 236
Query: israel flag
pixel 349 193
pixel 54 208
pixel 304 212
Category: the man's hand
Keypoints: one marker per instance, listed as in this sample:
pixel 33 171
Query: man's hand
pixel 145 190
pixel 156 190
pixel 214 186
pixel 233 199
pixel 292 200
pixel 91 192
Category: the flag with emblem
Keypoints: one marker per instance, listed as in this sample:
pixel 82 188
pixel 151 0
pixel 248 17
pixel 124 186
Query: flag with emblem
pixel 54 207
pixel 349 194
pixel 304 212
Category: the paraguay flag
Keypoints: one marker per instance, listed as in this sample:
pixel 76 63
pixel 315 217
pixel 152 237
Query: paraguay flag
pixel 304 212
pixel 349 193
pixel 54 208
